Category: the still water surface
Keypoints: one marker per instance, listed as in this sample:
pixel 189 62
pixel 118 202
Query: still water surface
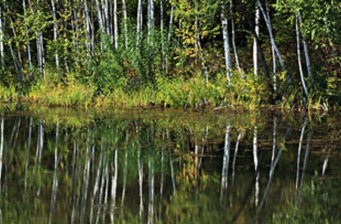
pixel 169 167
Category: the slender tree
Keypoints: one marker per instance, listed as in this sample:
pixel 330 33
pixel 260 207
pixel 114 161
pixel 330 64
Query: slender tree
pixel 125 22
pixel 2 52
pixel 235 51
pixel 55 31
pixel 224 24
pixel 115 25
pixel 255 47
pixel 300 67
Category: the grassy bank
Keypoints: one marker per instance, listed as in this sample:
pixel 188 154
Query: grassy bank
pixel 249 93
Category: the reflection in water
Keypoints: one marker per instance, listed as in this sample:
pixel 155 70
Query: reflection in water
pixel 148 171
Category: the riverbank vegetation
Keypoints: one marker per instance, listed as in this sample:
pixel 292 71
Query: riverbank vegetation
pixel 171 53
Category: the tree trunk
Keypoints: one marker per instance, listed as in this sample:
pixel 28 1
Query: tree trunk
pixel 55 31
pixel 273 54
pixel 255 49
pixel 2 52
pixel 226 43
pixel 87 27
pixel 299 58
pixel 272 39
pixel 125 22
pixel 150 20
pixel 40 47
pixel 170 29
pixel 139 23
pixel 115 25
pixel 162 35
pixel 235 51
pixel 29 56
pixel 306 51
pixel 100 23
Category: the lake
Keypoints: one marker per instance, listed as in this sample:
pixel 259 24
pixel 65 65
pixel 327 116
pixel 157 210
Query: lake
pixel 153 166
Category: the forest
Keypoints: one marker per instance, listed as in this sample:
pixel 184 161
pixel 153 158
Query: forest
pixel 171 53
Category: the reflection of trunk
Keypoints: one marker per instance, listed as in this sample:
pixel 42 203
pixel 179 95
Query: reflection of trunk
pixel 172 174
pixel 325 163
pixel 114 186
pixel 306 155
pixel 162 174
pixel 28 149
pixel 124 178
pixel 75 171
pixel 235 155
pixel 226 160
pixel 299 153
pixel 140 173
pixel 1 146
pixel 96 187
pixel 272 171
pixel 255 161
pixel 55 178
pixel 40 142
pixel 274 140
pixel 86 178
pixel 151 180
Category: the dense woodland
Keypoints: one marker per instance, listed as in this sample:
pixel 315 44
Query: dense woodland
pixel 171 52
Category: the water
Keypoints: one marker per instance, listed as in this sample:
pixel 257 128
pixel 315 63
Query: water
pixel 60 166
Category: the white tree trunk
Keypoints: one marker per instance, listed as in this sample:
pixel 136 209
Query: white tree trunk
pixel 299 58
pixel 273 55
pixel 226 43
pixel 170 29
pixel 125 22
pixel 2 53
pixel 235 51
pixel 41 53
pixel 139 20
pixel 272 39
pixel 306 51
pixel 106 16
pixel 255 48
pixel 87 27
pixel 115 25
pixel 162 34
pixel 55 31
pixel 100 23
pixel 29 56
pixel 150 20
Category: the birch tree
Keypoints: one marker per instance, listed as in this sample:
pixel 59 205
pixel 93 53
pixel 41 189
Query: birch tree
pixel 224 24
pixel 300 67
pixel 2 52
pixel 139 23
pixel 235 51
pixel 115 25
pixel 125 22
pixel 87 27
pixel 55 31
pixel 255 48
